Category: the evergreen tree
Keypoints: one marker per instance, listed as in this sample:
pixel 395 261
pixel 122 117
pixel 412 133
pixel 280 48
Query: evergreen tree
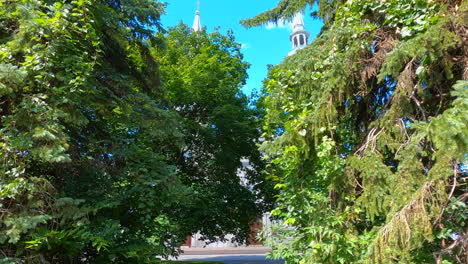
pixel 366 134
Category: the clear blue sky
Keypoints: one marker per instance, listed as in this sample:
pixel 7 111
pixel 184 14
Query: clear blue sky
pixel 261 45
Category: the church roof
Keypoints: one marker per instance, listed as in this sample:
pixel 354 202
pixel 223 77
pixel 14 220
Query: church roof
pixel 298 26
pixel 298 22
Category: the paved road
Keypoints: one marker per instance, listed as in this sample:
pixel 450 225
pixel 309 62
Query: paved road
pixel 227 251
pixel 232 259
pixel 242 255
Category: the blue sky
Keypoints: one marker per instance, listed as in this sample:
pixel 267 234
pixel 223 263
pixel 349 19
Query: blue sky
pixel 261 45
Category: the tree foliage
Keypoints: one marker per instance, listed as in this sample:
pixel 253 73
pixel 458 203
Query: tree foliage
pixel 286 9
pixel 366 134
pixel 201 74
pixel 114 145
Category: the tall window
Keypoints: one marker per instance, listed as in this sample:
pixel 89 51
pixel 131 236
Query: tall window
pixel 295 41
pixel 301 39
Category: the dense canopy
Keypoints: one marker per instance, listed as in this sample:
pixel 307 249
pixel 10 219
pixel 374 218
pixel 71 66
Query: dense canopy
pixel 366 134
pixel 119 139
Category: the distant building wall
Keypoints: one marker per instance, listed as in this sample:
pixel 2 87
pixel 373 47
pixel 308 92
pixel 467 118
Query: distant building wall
pixel 254 230
pixel 198 243
pixel 195 240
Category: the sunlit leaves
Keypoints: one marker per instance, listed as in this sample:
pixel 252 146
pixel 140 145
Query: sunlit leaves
pixel 365 127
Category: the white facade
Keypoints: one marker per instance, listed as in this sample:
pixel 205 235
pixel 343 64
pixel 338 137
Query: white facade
pixel 197 242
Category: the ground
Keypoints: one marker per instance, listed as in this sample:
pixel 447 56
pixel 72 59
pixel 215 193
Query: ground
pixel 249 255
pixel 235 259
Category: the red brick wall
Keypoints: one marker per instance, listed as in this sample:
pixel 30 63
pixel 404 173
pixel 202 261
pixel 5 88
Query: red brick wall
pixel 188 242
pixel 255 228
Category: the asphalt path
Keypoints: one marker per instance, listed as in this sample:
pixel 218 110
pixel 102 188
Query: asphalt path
pixel 241 255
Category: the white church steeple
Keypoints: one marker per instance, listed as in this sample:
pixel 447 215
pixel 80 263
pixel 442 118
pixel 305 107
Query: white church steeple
pixel 299 37
pixel 196 22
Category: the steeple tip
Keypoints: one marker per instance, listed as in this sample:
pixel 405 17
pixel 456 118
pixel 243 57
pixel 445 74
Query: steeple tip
pixel 196 22
pixel 298 22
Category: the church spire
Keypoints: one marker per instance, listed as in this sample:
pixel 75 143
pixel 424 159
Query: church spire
pixel 299 37
pixel 196 22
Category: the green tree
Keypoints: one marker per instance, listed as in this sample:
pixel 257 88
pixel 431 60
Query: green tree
pixel 366 132
pixel 96 152
pixel 202 74
pixel 79 134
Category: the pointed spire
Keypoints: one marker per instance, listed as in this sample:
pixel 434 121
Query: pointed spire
pixel 299 37
pixel 196 22
pixel 298 22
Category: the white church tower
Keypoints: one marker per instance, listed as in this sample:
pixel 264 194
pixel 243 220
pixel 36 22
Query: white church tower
pixel 299 37
pixel 196 22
